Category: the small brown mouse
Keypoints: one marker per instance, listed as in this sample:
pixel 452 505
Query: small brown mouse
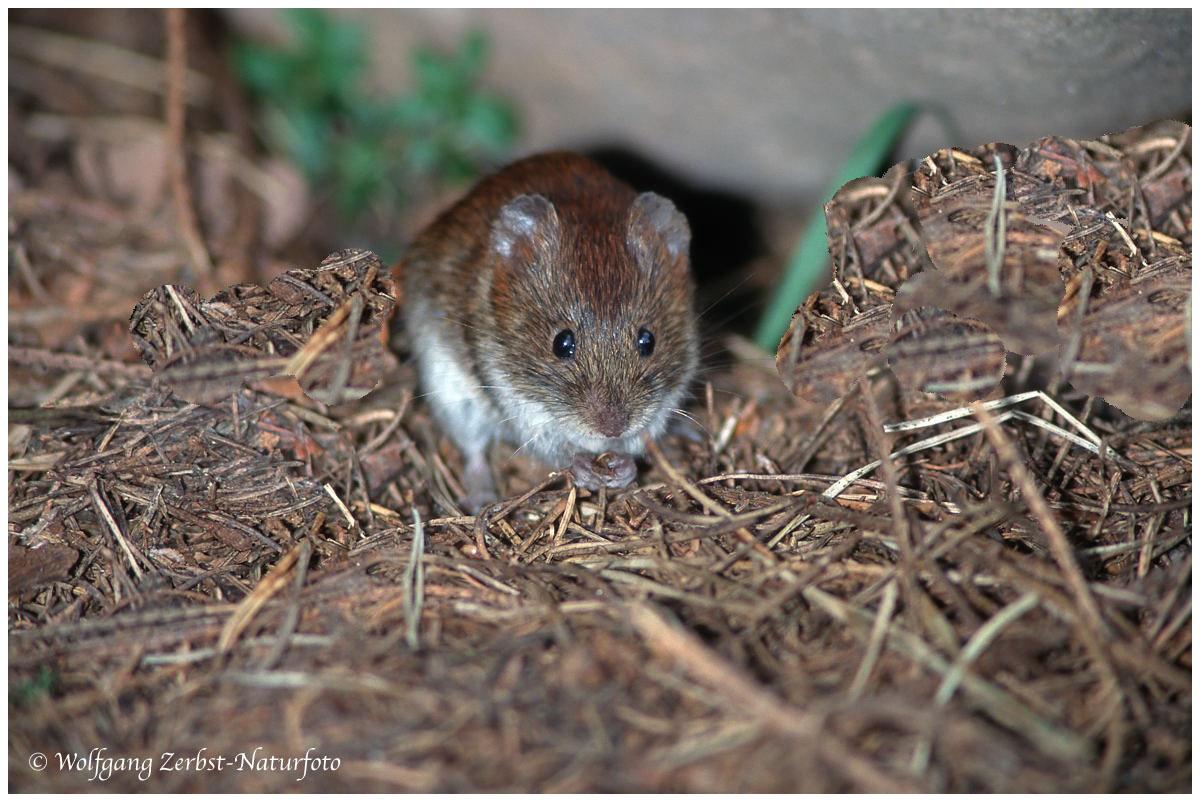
pixel 552 308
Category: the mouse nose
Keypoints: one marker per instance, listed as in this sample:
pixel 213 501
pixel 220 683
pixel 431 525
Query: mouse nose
pixel 609 417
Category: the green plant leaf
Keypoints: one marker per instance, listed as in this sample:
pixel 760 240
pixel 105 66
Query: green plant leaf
pixel 40 684
pixel 437 79
pixel 309 25
pixel 359 149
pixel 490 122
pixel 360 174
pixel 412 111
pixel 808 261
pixel 421 155
pixel 472 55
pixel 457 166
pixel 262 71
pixel 309 139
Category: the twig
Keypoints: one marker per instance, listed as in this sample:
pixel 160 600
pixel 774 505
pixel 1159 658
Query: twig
pixel 660 462
pixel 413 585
pixel 1092 626
pixel 1162 166
pixel 99 59
pixel 966 411
pixel 1051 738
pixel 340 505
pixel 107 516
pixel 740 694
pixel 875 644
pixel 881 443
pixel 996 231
pixel 271 584
pixel 292 617
pixel 1112 219
pixel 181 193
pixel 975 646
pixel 504 511
pixel 44 357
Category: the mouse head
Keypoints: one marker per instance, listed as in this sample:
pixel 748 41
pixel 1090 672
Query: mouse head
pixel 592 307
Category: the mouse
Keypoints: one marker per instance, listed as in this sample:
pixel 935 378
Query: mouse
pixel 552 309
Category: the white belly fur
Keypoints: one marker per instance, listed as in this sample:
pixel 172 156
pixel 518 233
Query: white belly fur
pixel 461 407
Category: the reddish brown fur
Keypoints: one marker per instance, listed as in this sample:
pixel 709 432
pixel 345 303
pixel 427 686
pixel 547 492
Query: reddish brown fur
pixel 606 271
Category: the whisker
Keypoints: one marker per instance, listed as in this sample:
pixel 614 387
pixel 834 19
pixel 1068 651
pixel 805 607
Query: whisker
pixel 527 442
pixel 692 418
pixel 738 396
pixel 725 295
pixel 435 391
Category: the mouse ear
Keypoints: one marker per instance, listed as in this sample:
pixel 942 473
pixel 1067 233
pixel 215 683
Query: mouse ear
pixel 525 218
pixel 655 219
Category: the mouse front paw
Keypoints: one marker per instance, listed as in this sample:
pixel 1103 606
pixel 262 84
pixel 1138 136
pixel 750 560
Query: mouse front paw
pixel 610 469
pixel 477 481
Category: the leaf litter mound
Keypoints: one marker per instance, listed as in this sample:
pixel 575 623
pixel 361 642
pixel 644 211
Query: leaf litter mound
pixel 1003 607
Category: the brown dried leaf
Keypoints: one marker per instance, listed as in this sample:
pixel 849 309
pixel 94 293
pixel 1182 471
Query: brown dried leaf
pixel 1059 226
pixel 934 351
pixel 874 244
pixel 954 217
pixel 826 351
pixel 1131 344
pixel 31 568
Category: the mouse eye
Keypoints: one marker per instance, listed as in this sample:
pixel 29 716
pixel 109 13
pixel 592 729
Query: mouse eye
pixel 564 344
pixel 645 342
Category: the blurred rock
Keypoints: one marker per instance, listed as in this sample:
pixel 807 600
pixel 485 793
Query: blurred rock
pixel 768 101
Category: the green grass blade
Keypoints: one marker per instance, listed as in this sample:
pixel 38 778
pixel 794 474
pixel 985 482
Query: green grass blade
pixel 808 260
